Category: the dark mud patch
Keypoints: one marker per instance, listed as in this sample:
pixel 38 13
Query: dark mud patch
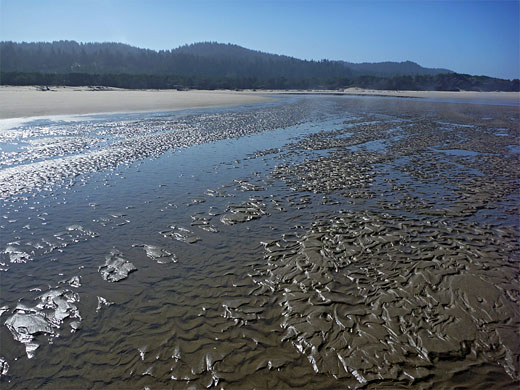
pixel 379 297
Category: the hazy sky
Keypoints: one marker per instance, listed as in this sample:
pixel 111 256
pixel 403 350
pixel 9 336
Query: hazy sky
pixel 467 36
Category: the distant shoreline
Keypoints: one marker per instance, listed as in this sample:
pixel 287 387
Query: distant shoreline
pixel 34 101
pixel 498 97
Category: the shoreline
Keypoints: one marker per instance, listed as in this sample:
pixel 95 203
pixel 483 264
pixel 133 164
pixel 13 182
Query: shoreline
pixel 33 102
pixel 463 96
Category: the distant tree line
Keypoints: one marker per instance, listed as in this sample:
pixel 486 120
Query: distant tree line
pixel 440 82
pixel 209 60
pixel 211 65
pixel 204 59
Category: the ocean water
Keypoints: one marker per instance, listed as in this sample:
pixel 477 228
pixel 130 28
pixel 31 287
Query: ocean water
pixel 312 242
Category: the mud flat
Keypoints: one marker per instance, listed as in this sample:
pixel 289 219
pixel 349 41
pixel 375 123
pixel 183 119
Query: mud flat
pixel 20 102
pixel 315 242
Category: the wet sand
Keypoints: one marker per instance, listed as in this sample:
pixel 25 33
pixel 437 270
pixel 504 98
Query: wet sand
pixel 499 97
pixel 508 98
pixel 18 102
pixel 315 242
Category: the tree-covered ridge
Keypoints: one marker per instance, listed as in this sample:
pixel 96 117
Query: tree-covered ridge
pixel 211 65
pixel 391 69
pixel 208 59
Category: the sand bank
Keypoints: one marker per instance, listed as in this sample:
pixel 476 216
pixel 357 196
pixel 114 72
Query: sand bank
pixel 19 102
pixel 449 95
pixel 468 96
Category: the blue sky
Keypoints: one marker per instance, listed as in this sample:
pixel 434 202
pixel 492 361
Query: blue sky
pixel 467 36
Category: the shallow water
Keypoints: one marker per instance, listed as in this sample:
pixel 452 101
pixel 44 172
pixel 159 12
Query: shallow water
pixel 315 242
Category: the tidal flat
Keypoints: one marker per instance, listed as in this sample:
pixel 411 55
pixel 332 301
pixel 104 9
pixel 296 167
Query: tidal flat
pixel 325 242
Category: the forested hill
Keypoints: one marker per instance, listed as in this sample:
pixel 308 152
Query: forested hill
pixel 210 65
pixel 390 69
pixel 200 59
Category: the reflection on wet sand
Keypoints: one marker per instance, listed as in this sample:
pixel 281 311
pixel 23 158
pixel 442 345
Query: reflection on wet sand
pixel 322 242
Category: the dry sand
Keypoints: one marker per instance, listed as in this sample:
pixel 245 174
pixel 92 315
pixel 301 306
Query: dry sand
pixel 21 102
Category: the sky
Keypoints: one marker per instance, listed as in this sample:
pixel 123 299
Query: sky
pixel 466 36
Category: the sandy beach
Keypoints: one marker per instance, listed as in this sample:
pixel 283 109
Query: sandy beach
pixel 20 102
pixel 31 101
pixel 449 95
pixel 469 96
